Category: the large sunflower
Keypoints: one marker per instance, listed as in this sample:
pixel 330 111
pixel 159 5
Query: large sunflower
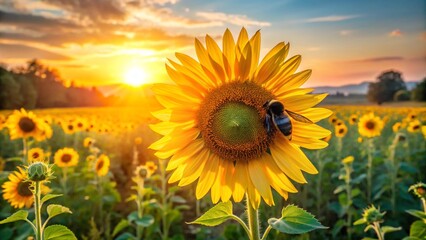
pixel 66 157
pixel 214 124
pixel 370 125
pixel 23 124
pixel 17 190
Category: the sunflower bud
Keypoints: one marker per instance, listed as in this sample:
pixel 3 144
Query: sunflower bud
pixel 419 189
pixel 372 214
pixel 38 171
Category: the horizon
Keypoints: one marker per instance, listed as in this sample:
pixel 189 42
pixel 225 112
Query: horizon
pixel 110 42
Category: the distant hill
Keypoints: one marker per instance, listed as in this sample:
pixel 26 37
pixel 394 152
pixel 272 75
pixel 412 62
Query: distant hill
pixel 360 88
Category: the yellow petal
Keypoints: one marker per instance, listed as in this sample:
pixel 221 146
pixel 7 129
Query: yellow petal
pixel 194 167
pixel 297 157
pixel 216 192
pixel 255 50
pixel 302 102
pixel 281 158
pixel 316 114
pixel 229 53
pixel 259 179
pixel 286 70
pixel 185 153
pixel 204 59
pixel 241 178
pixel 208 176
pixel 227 181
pixel 309 130
pixel 195 67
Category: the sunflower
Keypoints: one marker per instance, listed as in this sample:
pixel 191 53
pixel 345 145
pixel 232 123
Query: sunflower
pixel 102 165
pixel 414 126
pixel 333 119
pixel 214 122
pixel 88 141
pixel 23 124
pixel 151 166
pixel 66 157
pixel 341 130
pixel 370 125
pixel 396 127
pixel 2 121
pixel 68 127
pixel 80 124
pixel 360 140
pixel 17 190
pixel 348 159
pixel 35 155
pixel 353 119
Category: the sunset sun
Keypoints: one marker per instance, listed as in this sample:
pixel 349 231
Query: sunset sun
pixel 136 76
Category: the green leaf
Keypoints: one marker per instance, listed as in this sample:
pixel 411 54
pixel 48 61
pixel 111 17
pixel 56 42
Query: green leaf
pixel 47 197
pixel 126 236
pixel 216 215
pixel 58 232
pixel 145 221
pixel 56 209
pixel 411 238
pixel 178 199
pixel 295 220
pixel 339 189
pixel 418 229
pixel 369 238
pixel 18 216
pixel 120 226
pixel 388 229
pixel 360 221
pixel 417 213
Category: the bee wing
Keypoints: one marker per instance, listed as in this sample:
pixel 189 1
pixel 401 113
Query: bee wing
pixel 298 117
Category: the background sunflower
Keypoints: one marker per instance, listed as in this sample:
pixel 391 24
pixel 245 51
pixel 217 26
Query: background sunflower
pixel 102 165
pixel 66 157
pixel 370 125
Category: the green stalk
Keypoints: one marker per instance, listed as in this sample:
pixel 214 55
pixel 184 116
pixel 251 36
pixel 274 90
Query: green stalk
pixel 37 209
pixel 348 169
pixel 64 179
pixel 253 220
pixel 369 168
pixel 139 229
pixel 25 151
pixel 393 175
pixel 339 148
pixel 318 183
pixel 378 231
pixel 164 200
pixel 424 204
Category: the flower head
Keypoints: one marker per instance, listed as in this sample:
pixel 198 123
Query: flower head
pixel 371 215
pixel 396 127
pixel 353 119
pixel 102 165
pixel 341 130
pixel 348 160
pixel 39 171
pixel 419 189
pixel 23 124
pixel 17 190
pixel 217 129
pixel 414 126
pixel 88 142
pixel 66 157
pixel 35 155
pixel 370 125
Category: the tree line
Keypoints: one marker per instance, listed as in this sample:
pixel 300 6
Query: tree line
pixel 37 86
pixel 390 86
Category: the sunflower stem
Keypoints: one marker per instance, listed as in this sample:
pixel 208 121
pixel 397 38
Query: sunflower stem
pixel 369 168
pixel 64 179
pixel 253 220
pixel 139 230
pixel 378 230
pixel 37 209
pixel 424 204
pixel 348 170
pixel 242 223
pixel 24 151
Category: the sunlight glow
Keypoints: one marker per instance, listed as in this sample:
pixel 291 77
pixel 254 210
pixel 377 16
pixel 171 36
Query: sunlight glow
pixel 136 76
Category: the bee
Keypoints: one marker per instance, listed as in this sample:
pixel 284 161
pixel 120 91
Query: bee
pixel 278 116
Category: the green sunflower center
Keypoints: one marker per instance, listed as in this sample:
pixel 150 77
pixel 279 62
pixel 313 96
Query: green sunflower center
pixel 24 189
pixel 26 124
pixel 232 121
pixel 66 158
pixel 370 125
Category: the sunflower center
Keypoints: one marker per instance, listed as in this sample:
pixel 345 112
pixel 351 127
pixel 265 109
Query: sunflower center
pixel 341 130
pixel 99 165
pixel 369 125
pixel 36 155
pixel 66 158
pixel 232 121
pixel 24 189
pixel 26 124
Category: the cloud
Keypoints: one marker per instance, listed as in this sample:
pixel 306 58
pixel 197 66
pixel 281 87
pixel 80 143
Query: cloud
pixel 239 20
pixel 381 59
pixel 395 33
pixel 25 52
pixel 331 18
pixel 345 32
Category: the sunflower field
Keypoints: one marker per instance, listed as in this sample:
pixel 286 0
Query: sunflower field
pixel 218 157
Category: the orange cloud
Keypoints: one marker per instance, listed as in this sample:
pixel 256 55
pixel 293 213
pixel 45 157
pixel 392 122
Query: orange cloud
pixel 395 33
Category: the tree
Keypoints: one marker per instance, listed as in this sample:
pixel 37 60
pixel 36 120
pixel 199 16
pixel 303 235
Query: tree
pixel 384 89
pixel 419 92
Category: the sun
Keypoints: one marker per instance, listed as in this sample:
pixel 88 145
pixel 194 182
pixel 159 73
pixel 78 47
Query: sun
pixel 136 76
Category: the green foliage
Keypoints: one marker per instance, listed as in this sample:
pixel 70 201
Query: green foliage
pixel 58 232
pixel 295 220
pixel 419 92
pixel 216 215
pixel 17 216
pixel 388 83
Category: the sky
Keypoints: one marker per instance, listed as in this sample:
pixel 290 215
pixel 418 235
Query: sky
pixel 100 42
